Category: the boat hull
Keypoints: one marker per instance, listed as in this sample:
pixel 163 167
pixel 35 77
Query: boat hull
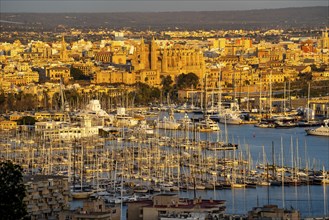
pixel 81 195
pixel 318 132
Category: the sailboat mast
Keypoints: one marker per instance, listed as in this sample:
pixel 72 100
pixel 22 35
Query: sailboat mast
pixel 62 95
pixel 282 175
pixel 220 91
pixel 205 95
pixel 289 94
pixel 308 101
pixel 271 94
pixel 292 153
pixel 74 165
pixel 81 169
pixel 260 96
pixel 192 94
pixel 284 99
pixel 273 159
pixel 248 99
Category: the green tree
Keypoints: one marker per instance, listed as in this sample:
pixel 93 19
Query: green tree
pixel 166 83
pixel 45 100
pixel 305 76
pixel 185 81
pixel 2 101
pixel 77 74
pixel 321 68
pixel 27 120
pixel 12 191
pixel 72 97
pixel 10 102
pixel 26 102
pixel 145 94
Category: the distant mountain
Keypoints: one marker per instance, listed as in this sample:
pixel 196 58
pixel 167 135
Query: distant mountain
pixel 304 17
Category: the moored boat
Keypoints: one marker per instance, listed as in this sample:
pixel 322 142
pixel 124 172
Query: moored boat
pixel 320 131
pixel 207 125
pixel 265 125
pixel 81 194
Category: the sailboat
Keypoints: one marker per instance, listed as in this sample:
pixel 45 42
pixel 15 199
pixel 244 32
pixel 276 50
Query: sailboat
pixel 206 124
pixel 235 183
pixel 309 122
pixel 82 191
pixel 325 179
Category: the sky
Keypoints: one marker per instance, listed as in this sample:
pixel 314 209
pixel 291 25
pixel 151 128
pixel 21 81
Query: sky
pixel 45 6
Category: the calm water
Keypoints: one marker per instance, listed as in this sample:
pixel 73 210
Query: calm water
pixel 311 201
pixel 298 149
pixel 294 141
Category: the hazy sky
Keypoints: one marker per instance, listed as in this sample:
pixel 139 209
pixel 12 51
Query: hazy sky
pixel 149 5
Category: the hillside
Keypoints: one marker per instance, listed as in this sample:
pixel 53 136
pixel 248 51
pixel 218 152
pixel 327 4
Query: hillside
pixel 305 17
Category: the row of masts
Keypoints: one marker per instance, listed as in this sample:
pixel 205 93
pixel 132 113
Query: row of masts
pixel 156 160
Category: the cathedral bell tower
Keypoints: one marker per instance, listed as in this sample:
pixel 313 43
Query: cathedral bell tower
pixel 63 54
pixel 153 54
pixel 164 64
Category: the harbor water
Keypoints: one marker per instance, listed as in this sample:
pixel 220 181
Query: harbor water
pixel 311 201
pixel 282 147
pixel 309 151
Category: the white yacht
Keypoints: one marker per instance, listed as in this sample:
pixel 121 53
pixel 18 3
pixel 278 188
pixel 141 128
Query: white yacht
pixel 207 125
pixel 230 118
pixel 144 128
pixel 230 114
pixel 124 120
pixel 168 123
pixel 186 123
pixel 321 131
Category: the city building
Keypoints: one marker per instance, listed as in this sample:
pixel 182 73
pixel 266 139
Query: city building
pixel 113 75
pixel 56 131
pixel 320 106
pixel 272 212
pixel 49 116
pixel 46 196
pixel 87 68
pixel 95 209
pixel 166 205
pixel 8 125
pixel 20 78
pixel 57 73
pixel 153 62
pixel 103 56
pixel 63 53
pixel 323 42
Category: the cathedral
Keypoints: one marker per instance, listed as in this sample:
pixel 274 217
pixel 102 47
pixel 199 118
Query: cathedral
pixel 150 62
pixel 63 52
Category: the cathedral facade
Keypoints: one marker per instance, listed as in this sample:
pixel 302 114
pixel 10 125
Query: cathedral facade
pixel 151 62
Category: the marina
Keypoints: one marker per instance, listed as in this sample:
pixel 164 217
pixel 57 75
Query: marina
pixel 236 163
